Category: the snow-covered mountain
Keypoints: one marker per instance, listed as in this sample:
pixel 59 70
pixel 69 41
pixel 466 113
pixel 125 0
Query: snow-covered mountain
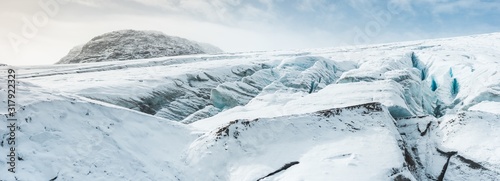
pixel 133 44
pixel 421 110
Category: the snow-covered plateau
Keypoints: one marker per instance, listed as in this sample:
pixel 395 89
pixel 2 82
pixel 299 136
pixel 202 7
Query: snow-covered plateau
pixel 420 110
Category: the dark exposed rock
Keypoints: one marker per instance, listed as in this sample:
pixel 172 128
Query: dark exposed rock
pixel 286 166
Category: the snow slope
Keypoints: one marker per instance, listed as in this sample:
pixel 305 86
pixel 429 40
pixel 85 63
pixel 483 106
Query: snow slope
pixel 74 138
pixel 421 110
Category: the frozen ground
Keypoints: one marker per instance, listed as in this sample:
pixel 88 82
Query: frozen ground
pixel 422 110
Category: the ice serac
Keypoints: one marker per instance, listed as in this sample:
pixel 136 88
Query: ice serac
pixel 134 44
pixel 387 92
pixel 231 94
pixel 414 93
pixel 297 74
pixel 306 74
pixel 353 140
pixel 199 93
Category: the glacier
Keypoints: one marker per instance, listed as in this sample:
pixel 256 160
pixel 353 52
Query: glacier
pixel 344 113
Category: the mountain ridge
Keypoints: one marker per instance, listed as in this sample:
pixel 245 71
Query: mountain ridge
pixel 133 44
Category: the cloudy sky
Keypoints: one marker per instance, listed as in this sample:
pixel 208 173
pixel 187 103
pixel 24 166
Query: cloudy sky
pixel 35 32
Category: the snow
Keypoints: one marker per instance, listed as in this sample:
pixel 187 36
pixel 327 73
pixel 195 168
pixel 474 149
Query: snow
pixel 243 116
pixel 356 133
pixel 472 134
pixel 345 162
pixel 487 106
pixel 471 137
pixel 75 138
